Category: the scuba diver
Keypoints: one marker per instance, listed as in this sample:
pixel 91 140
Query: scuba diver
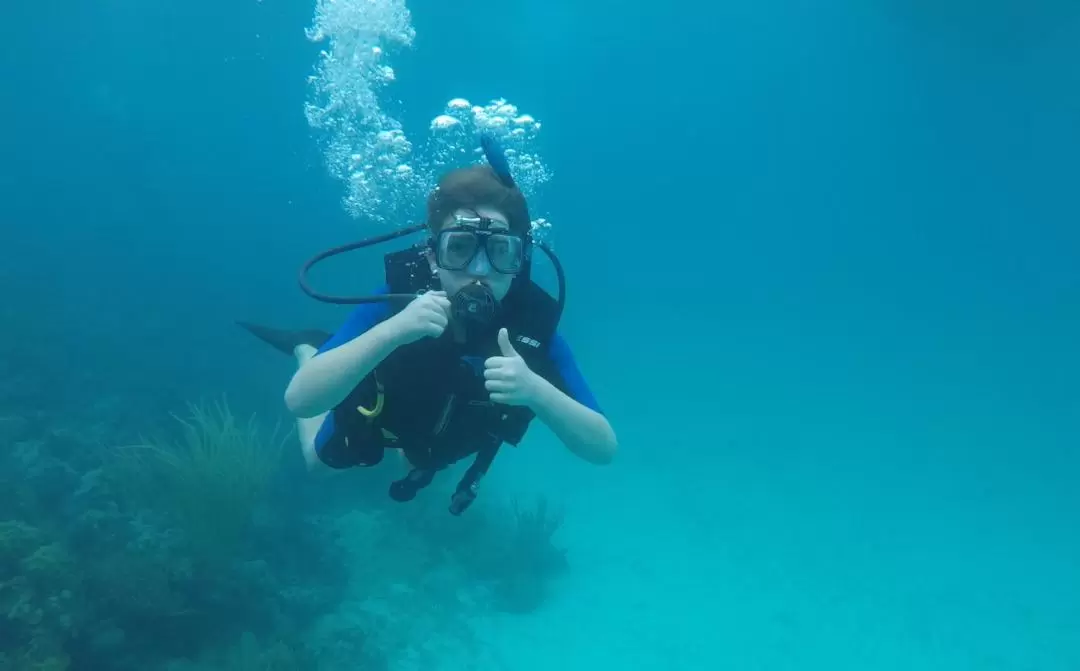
pixel 453 357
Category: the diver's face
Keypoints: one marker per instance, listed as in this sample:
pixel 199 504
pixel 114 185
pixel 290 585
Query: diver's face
pixel 479 269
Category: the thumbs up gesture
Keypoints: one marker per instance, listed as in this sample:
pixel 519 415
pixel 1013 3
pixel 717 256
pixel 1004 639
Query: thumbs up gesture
pixel 508 378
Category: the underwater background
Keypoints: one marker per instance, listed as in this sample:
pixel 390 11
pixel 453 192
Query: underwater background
pixel 822 264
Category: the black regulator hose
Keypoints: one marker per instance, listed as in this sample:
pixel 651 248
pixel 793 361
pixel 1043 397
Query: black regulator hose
pixel 368 242
pixel 341 249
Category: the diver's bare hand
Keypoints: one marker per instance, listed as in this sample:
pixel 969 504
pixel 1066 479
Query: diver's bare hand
pixel 426 316
pixel 508 379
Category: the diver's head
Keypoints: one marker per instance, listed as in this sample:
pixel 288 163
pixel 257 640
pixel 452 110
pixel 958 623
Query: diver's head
pixel 480 231
pixel 477 186
pixel 476 246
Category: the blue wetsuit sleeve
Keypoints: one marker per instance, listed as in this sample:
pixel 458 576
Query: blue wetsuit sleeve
pixel 576 387
pixel 360 320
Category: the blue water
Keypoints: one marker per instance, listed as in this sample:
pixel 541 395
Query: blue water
pixel 823 277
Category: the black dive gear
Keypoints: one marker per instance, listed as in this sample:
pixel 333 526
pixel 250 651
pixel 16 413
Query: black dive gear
pixel 405 489
pixel 525 274
pixel 341 249
pixel 473 305
pixel 450 416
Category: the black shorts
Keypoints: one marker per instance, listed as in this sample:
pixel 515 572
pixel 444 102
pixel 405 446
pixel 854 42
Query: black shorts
pixel 345 444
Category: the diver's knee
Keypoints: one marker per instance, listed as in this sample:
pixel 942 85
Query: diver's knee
pixel 307 429
pixel 303 353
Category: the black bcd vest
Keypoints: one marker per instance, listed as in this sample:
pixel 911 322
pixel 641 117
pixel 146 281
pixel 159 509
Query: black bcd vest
pixel 434 404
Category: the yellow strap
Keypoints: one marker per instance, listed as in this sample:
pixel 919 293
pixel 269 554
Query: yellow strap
pixel 379 399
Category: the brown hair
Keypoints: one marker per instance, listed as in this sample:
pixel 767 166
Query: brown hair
pixel 472 187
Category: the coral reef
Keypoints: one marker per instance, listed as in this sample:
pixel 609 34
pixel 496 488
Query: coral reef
pixel 111 561
pixel 529 559
pixel 200 549
pixel 210 481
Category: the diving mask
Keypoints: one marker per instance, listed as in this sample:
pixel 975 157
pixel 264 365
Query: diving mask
pixel 457 246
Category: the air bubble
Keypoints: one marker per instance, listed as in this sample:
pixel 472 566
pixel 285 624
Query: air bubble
pixel 386 177
pixel 443 122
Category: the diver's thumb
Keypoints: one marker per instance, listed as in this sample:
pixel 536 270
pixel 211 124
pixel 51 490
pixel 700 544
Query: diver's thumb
pixel 504 343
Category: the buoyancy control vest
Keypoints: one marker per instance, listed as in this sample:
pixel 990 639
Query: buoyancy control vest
pixel 428 397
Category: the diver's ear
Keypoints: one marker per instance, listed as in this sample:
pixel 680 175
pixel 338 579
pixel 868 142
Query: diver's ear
pixel 430 256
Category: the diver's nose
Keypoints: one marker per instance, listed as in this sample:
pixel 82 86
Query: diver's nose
pixel 480 265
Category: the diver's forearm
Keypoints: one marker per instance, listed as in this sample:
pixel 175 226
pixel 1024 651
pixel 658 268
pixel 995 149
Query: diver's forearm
pixel 326 379
pixel 584 431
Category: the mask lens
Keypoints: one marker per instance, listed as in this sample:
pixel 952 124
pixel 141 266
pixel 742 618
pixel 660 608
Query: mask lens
pixel 457 249
pixel 505 252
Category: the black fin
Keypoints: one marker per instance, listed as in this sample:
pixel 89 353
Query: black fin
pixel 286 341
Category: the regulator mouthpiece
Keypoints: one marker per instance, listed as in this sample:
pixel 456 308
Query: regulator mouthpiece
pixel 474 304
